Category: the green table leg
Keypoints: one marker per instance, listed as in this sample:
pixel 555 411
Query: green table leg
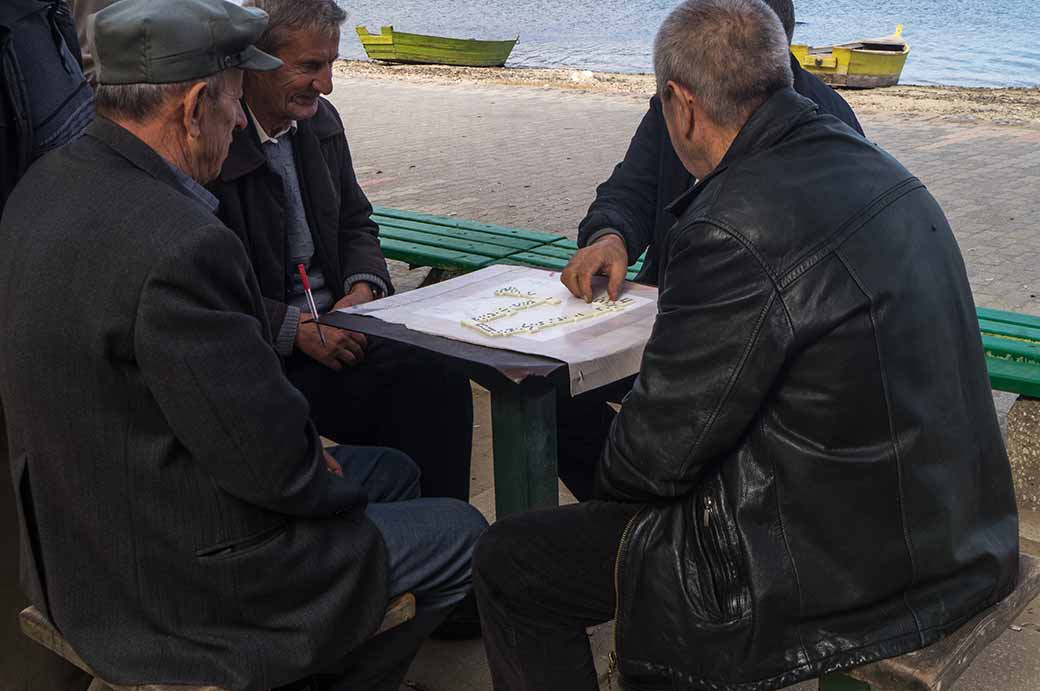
pixel 840 682
pixel 523 421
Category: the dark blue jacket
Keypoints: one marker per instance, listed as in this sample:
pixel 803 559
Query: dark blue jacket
pixel 16 129
pixel 635 198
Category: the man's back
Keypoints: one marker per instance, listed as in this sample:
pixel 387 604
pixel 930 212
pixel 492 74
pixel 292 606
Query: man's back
pixel 815 397
pixel 159 454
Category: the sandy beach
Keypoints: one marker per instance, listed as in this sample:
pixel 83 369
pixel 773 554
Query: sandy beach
pixel 1019 107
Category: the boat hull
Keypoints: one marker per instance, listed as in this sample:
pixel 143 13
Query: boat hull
pixel 867 64
pixel 396 46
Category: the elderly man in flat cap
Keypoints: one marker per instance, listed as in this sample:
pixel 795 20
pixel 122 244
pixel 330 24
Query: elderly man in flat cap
pixel 180 520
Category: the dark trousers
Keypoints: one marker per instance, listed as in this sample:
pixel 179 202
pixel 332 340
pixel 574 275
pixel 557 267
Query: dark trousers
pixel 583 425
pixel 541 579
pixel 397 397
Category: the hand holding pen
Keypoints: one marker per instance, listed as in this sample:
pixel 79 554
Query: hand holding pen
pixel 310 300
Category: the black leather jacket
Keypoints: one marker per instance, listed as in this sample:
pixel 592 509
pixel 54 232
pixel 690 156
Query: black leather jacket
pixel 812 429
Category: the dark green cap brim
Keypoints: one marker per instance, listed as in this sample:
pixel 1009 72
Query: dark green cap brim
pixel 256 60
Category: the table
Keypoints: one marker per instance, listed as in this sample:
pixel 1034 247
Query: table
pixel 523 407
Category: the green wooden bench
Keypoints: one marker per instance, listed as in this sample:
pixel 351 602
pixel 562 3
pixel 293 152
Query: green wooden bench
pixel 450 245
pixel 1012 343
pixel 456 245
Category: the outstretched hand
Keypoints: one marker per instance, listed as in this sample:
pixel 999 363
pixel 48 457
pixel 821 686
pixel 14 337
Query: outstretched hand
pixel 608 257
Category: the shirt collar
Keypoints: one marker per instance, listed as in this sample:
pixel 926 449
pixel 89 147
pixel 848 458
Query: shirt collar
pixel 195 190
pixel 262 133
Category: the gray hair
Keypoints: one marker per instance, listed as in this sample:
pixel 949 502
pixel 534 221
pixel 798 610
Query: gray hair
pixel 286 16
pixel 732 54
pixel 785 10
pixel 138 102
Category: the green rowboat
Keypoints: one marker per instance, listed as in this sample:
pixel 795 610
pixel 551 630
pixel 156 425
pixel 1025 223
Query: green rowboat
pixel 395 46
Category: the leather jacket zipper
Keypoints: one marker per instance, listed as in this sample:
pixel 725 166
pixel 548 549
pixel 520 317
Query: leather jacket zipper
pixel 723 570
pixel 612 658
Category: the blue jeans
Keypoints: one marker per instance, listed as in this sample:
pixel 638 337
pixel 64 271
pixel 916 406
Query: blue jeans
pixel 429 543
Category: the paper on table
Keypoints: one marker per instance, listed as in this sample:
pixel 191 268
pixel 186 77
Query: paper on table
pixel 599 349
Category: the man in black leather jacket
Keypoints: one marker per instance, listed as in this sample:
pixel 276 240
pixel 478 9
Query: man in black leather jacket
pixel 630 216
pixel 808 473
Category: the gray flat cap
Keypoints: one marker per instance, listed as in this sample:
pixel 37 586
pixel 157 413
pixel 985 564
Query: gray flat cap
pixel 168 41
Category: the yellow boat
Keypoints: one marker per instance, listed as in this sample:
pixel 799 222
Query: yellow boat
pixel 865 64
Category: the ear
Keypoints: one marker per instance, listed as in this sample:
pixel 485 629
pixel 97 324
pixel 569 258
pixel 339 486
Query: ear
pixel 193 107
pixel 683 109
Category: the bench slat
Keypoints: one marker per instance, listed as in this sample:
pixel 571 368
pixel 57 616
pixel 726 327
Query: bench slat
pixel 1015 377
pixel 461 223
pixel 1003 329
pixel 1008 317
pixel 1028 353
pixel 436 257
pixel 466 246
pixel 505 241
pixel 939 665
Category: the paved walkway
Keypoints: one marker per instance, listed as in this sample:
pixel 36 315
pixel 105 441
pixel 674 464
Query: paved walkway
pixel 532 158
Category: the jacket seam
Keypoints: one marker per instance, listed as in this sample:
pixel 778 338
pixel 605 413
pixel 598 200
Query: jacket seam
pixel 790 556
pixel 848 228
pixel 896 450
pixel 748 345
pixel 734 375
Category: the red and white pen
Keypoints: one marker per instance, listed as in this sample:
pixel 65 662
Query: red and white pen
pixel 310 299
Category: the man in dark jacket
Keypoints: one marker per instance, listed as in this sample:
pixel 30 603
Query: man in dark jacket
pixel 808 473
pixel 44 102
pixel 180 522
pixel 289 190
pixel 629 216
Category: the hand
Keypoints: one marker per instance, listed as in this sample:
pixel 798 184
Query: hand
pixel 607 256
pixel 359 294
pixel 331 464
pixel 341 348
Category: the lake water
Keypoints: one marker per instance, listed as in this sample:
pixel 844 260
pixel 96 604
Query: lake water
pixel 959 42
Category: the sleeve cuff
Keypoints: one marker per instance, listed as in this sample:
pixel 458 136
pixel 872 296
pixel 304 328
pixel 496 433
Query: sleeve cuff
pixel 367 278
pixel 287 334
pixel 602 233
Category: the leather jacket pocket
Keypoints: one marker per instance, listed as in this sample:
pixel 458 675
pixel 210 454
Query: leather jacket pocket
pixel 243 545
pixel 726 593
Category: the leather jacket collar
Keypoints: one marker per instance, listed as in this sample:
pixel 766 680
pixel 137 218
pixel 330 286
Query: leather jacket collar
pixel 780 113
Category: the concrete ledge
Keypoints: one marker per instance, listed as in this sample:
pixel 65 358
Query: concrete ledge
pixel 1023 445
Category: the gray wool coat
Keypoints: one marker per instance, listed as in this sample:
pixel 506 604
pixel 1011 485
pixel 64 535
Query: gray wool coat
pixel 177 522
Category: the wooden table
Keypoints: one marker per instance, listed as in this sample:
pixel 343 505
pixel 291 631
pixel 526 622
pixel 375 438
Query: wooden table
pixel 523 407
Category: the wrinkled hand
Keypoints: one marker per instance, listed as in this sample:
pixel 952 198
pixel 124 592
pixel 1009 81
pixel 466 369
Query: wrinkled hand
pixel 341 348
pixel 332 465
pixel 359 294
pixel 608 257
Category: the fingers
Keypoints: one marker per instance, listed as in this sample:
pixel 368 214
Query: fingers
pixel 585 281
pixel 358 338
pixel 346 350
pixel 615 277
pixel 578 274
pixel 569 277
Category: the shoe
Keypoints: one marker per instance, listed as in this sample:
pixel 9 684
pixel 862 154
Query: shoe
pixel 463 624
